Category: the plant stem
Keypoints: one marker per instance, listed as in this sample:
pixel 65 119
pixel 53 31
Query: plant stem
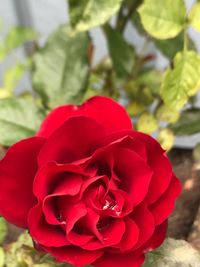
pixel 122 20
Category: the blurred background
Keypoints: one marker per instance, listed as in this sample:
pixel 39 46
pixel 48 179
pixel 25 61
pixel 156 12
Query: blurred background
pixel 45 16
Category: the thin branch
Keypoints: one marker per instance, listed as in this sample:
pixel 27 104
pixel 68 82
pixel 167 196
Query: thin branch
pixel 123 20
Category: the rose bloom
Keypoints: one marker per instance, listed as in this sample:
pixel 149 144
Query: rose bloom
pixel 89 188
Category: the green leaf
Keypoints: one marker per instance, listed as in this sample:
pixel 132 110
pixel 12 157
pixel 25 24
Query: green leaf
pixel 18 36
pixel 86 14
pixel 19 118
pixel 171 47
pixel 182 81
pixel 151 79
pixel 121 53
pixel 136 21
pixel 147 123
pixel 163 19
pixel 194 16
pixel 3 230
pixel 188 124
pixel 61 68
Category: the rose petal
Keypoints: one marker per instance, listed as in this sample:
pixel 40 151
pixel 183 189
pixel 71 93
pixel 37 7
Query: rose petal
pixel 145 222
pixel 157 239
pixel 130 236
pixel 78 239
pixel 110 235
pixel 102 109
pixel 57 179
pixel 77 138
pixel 50 211
pixel 74 255
pixel 157 160
pixel 160 165
pixel 118 260
pixel 134 173
pixel 17 171
pixel 90 221
pixel 72 212
pixel 162 208
pixel 42 232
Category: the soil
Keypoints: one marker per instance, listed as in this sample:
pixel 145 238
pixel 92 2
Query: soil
pixel 184 223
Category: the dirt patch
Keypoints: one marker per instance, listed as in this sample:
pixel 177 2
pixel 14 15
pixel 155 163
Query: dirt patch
pixel 184 218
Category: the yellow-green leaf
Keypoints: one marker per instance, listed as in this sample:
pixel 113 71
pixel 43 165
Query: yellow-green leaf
pixel 166 139
pixel 147 123
pixel 12 76
pixel 135 108
pixel 19 35
pixel 194 16
pixel 2 257
pixel 86 14
pixel 163 19
pixel 166 114
pixel 4 93
pixel 182 81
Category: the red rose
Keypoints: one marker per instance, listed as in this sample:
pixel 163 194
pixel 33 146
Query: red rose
pixel 89 189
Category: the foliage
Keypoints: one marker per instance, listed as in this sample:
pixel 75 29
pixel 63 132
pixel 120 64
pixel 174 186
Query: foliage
pixel 19 118
pixel 90 13
pixel 63 82
pixel 163 19
pixel 62 70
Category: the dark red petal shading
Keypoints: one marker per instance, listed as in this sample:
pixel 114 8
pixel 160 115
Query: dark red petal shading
pixel 51 176
pixel 17 171
pixel 162 208
pixel 74 255
pixel 133 172
pixel 110 236
pixel 145 222
pixel 160 165
pixel 102 109
pixel 130 236
pixel 133 259
pixel 156 159
pixel 77 138
pixel 42 232
pixel 73 213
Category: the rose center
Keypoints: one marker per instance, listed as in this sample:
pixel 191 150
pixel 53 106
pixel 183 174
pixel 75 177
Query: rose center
pixel 110 204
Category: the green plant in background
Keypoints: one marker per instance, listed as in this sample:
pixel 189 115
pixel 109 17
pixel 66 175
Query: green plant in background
pixel 62 70
pixel 19 116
